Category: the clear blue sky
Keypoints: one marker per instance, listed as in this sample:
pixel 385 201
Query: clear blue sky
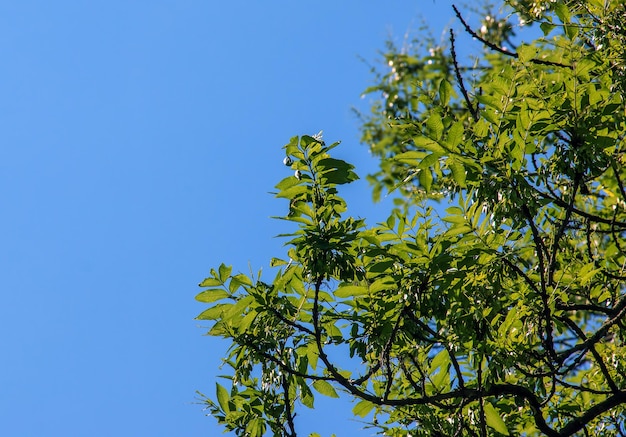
pixel 138 143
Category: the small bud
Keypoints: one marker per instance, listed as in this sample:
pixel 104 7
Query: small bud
pixel 287 161
pixel 298 175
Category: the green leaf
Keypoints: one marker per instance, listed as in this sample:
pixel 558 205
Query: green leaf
pixel 429 161
pixel 211 295
pixel 288 182
pixel 494 420
pixel 312 354
pixel 363 408
pixel 254 427
pixel 325 388
pixel 224 272
pixel 213 313
pixel 426 179
pixel 222 397
pixel 306 396
pixel 351 291
pixel 587 273
pixel 210 282
pixel 441 359
pixel 292 192
pixel 434 126
pixel 456 230
pixel 412 157
pixel 583 68
pixel 455 135
pixel 291 148
pixel 442 378
pixel 384 283
pixel 237 281
pixel 571 31
pixel 381 266
pixel 525 53
pixel 237 309
pixel 445 90
pixel 546 27
pixel 562 12
pixel 426 143
pixel 458 171
pixel 329 163
pixel 275 262
pixel 458 219
pixel 339 177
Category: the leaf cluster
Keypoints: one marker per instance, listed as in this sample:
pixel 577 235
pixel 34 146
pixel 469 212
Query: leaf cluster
pixel 492 300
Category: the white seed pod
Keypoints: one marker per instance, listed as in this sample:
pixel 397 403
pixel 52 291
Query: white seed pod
pixel 287 161
pixel 298 174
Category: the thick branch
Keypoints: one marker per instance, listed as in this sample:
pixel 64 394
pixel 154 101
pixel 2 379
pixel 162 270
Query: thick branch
pixel 579 423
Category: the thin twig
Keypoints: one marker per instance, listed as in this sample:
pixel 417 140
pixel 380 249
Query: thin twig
pixel 492 46
pixel 459 78
pixel 288 412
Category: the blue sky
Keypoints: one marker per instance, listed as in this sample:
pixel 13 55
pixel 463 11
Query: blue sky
pixel 139 143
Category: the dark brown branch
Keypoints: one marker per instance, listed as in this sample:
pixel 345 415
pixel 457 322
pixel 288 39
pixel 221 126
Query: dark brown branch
pixel 619 181
pixel 520 272
pixel 498 49
pixel 579 423
pixel 481 401
pixel 582 388
pixel 579 332
pixel 614 235
pixel 409 377
pixel 286 368
pixel 288 412
pixel 288 322
pixel 453 360
pixel 561 231
pixel 619 311
pixel 367 375
pixel 386 355
pixel 583 307
pixel 459 78
pixel 594 218
pixel 541 252
pixel 345 382
pixel 588 239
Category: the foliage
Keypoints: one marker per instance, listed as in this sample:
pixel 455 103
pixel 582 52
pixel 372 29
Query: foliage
pixel 492 300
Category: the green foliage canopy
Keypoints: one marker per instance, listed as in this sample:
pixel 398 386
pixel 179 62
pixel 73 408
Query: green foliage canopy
pixel 501 310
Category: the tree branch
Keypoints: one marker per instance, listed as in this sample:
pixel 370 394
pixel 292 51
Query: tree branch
pixel 459 78
pixel 494 47
pixel 579 332
pixel 288 412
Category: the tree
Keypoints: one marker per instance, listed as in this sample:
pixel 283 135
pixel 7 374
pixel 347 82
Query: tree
pixel 492 301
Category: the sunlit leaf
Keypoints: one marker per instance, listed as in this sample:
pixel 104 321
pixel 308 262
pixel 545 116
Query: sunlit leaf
pixel 494 420
pixel 212 295
pixel 222 397
pixel 363 408
pixel 325 388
